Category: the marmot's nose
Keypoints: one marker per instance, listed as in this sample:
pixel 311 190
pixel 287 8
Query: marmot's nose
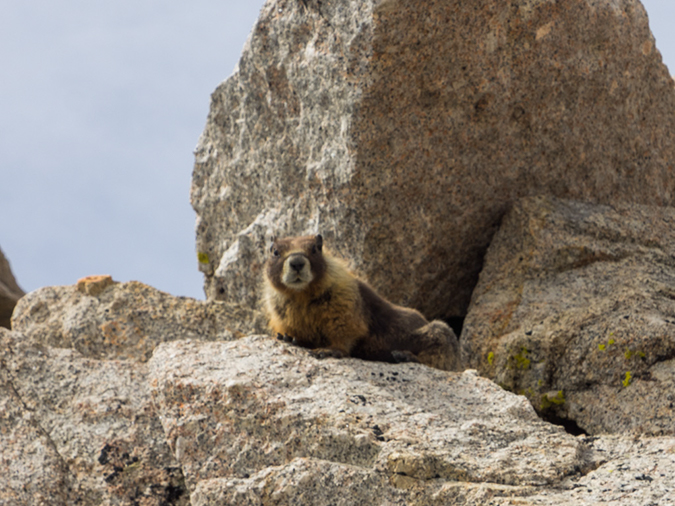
pixel 297 264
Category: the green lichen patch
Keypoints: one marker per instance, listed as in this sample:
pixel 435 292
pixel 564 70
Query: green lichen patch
pixel 551 399
pixel 628 354
pixel 520 360
pixel 610 342
pixel 628 379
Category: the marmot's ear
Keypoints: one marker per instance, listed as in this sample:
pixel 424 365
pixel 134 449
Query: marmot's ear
pixel 318 241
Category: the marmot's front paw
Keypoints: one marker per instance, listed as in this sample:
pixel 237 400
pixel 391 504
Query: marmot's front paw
pixel 286 338
pixel 327 353
pixel 400 356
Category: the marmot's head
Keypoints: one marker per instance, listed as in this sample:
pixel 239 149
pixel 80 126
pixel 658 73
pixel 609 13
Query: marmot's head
pixel 295 262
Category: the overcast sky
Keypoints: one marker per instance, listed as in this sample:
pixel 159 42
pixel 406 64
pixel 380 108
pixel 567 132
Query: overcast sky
pixel 101 106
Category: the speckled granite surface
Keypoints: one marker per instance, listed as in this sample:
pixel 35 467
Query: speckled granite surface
pixel 575 309
pixel 103 319
pixel 403 130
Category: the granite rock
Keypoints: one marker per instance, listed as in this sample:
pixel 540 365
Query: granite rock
pixel 10 292
pixel 103 319
pixel 626 472
pixel 633 471
pixel 402 131
pixel 259 422
pixel 575 308
pixel 80 431
pixel 249 414
pixel 31 469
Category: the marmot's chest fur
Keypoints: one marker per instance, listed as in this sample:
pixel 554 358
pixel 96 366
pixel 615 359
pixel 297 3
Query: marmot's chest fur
pixel 313 299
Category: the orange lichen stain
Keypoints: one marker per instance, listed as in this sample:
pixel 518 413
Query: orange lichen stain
pixel 94 285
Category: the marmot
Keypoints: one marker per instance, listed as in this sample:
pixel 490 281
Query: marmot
pixel 313 300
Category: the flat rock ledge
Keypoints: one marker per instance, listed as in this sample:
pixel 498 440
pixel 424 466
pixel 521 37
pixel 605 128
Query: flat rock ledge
pixel 259 422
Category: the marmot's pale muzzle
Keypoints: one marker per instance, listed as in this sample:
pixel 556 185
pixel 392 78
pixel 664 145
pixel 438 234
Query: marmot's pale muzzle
pixel 297 272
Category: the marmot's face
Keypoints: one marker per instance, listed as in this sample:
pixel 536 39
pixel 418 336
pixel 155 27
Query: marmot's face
pixel 295 262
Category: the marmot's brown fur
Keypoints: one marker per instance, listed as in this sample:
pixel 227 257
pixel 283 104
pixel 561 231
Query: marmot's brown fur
pixel 313 300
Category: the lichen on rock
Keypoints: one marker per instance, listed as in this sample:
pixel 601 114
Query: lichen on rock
pixel 568 290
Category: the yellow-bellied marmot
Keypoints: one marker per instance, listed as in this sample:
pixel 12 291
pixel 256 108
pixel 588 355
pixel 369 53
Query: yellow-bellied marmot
pixel 313 300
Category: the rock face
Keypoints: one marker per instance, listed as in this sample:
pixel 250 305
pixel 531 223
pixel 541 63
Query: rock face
pixel 625 477
pixel 103 319
pixel 78 423
pixel 403 131
pixel 250 412
pixel 10 292
pixel 259 422
pixel 90 430
pixel 575 309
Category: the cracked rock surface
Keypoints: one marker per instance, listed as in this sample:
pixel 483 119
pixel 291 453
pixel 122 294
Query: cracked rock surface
pixel 406 422
pixel 575 308
pixel 93 432
pixel 260 422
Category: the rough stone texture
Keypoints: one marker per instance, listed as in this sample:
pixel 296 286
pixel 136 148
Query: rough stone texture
pixel 403 130
pixel 629 472
pixel 259 422
pixel 86 431
pixel 633 472
pixel 575 308
pixel 255 410
pixel 126 320
pixel 31 470
pixel 311 482
pixel 94 285
pixel 10 292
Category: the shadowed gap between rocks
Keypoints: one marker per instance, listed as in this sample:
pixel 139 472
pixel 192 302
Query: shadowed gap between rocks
pixel 570 426
pixel 456 323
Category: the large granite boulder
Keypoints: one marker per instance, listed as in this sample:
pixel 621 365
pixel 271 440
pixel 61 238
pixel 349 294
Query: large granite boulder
pixel 575 309
pixel 234 410
pixel 260 422
pixel 403 130
pixel 257 422
pixel 10 292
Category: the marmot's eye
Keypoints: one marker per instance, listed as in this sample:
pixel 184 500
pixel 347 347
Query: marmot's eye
pixel 275 252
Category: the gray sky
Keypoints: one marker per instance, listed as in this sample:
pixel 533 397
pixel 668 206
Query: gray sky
pixel 101 105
